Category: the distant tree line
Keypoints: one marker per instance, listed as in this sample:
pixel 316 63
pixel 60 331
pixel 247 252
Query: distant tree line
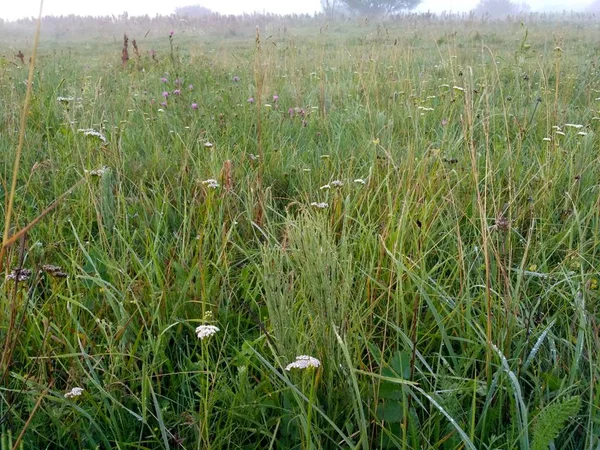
pixel 193 11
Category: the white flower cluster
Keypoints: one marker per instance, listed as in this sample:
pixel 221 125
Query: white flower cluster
pixel 211 183
pixel 303 362
pixel 75 392
pixel 94 133
pixel 321 205
pixel 97 172
pixel 204 331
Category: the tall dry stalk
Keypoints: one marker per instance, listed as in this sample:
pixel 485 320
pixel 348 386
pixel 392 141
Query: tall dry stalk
pixel 24 114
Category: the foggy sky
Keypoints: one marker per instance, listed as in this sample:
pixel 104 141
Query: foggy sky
pixel 28 8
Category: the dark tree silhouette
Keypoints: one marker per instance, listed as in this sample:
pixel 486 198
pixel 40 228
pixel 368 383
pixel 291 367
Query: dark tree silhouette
pixel 499 8
pixel 193 11
pixel 378 7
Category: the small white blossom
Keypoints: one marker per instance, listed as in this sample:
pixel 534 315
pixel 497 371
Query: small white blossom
pixel 321 205
pixel 303 362
pixel 93 133
pixel 211 183
pixel 556 128
pixel 560 133
pixel 65 99
pixel 208 144
pixel 75 392
pixel 360 181
pixel 573 125
pixel 582 133
pixel 458 88
pixel 97 172
pixel 547 140
pixel 326 186
pixel 336 183
pixel 204 331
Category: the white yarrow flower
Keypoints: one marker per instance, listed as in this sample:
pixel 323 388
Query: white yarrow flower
pixel 75 392
pixel 582 133
pixel 321 205
pixel 327 186
pixel 208 144
pixel 360 181
pixel 547 140
pixel 97 172
pixel 211 183
pixel 573 125
pixel 336 183
pixel 204 331
pixel 303 362
pixel 93 133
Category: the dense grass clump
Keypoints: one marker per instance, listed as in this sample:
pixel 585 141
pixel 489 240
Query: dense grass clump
pixel 413 204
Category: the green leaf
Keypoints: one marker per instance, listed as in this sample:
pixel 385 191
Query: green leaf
pixel 552 420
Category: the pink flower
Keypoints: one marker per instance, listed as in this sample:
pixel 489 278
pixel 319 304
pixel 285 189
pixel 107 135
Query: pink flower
pixel 251 100
pixel 275 98
pixel 164 104
pixel 194 105
pixel 171 33
pixel 291 113
pixel 165 94
pixel 177 92
pixel 191 87
pixel 444 122
pixel 164 79
pixel 236 78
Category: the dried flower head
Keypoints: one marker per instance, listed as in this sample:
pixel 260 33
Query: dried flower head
pixel 19 275
pixel 55 271
pixel 75 392
pixel 204 331
pixel 303 362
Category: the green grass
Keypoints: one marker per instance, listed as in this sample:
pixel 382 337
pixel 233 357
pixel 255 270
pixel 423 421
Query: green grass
pixel 452 299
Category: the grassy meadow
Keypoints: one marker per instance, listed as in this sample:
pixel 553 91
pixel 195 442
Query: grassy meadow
pixel 412 202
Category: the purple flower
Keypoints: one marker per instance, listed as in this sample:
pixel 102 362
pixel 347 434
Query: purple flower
pixel 164 104
pixel 191 87
pixel 194 105
pixel 275 98
pixel 177 92
pixel 444 122
pixel 236 78
pixel 251 100
pixel 291 113
pixel 152 53
pixel 171 33
pixel 164 79
pixel 165 94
